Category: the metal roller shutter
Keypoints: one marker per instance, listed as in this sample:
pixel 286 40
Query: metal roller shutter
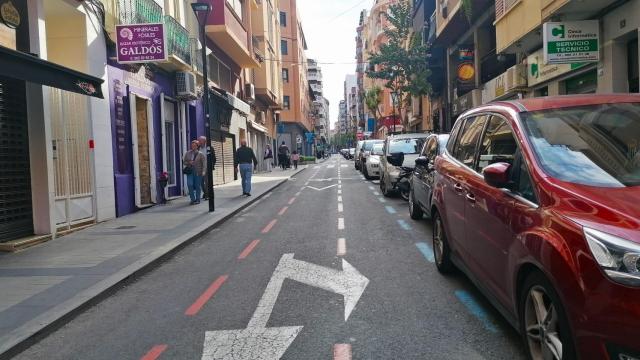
pixel 16 218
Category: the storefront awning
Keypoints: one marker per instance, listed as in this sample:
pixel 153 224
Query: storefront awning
pixel 18 65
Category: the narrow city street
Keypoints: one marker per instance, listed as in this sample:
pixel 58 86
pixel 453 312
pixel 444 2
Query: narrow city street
pixel 323 267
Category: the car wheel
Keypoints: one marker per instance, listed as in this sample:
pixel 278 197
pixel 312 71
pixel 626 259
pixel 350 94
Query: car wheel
pixel 441 250
pixel 543 321
pixel 366 173
pixel 384 188
pixel 415 211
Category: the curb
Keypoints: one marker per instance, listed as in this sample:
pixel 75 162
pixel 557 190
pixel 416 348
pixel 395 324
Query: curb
pixel 36 329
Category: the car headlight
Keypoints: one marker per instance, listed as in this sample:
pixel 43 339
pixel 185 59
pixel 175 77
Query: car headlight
pixel 619 258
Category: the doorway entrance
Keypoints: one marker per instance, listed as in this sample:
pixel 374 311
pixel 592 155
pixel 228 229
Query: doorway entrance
pixel 16 213
pixel 143 151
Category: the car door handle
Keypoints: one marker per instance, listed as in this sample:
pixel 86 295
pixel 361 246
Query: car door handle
pixel 471 198
pixel 458 188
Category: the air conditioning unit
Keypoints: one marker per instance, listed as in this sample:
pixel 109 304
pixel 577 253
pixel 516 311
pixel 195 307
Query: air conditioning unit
pixel 516 78
pixel 186 85
pixel 249 92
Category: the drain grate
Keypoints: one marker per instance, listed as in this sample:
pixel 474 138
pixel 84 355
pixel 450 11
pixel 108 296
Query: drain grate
pixel 126 227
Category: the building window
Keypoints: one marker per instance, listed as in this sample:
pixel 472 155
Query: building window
pixel 285 75
pixel 283 19
pixel 284 47
pixel 286 103
pixel 236 5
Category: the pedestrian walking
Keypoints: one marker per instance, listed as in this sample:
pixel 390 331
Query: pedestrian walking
pixel 295 157
pixel 195 167
pixel 268 157
pixel 283 155
pixel 245 161
pixel 202 143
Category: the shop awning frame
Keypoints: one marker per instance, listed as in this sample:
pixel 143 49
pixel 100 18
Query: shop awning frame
pixel 22 66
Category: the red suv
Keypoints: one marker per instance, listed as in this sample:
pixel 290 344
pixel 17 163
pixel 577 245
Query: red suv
pixel 538 202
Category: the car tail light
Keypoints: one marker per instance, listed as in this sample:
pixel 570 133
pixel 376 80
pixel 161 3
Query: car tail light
pixel 619 258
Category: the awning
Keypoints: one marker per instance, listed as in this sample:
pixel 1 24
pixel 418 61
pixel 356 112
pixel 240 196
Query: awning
pixel 21 66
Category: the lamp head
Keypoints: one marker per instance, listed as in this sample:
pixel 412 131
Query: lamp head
pixel 202 11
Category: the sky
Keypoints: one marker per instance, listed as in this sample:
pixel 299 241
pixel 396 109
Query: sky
pixel 330 29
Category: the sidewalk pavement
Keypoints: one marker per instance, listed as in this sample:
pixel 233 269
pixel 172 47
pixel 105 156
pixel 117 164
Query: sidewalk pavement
pixel 43 285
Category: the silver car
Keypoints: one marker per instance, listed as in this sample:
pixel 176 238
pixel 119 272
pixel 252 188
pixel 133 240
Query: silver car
pixel 371 167
pixel 410 145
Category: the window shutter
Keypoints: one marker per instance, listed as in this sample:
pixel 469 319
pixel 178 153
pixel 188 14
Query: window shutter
pixel 500 10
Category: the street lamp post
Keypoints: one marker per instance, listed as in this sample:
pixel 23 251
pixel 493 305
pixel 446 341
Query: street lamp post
pixel 202 11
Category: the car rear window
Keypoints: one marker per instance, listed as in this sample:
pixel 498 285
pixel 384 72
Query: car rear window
pixel 596 145
pixel 406 146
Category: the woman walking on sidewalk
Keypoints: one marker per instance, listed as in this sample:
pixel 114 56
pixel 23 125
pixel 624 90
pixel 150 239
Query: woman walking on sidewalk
pixel 295 157
pixel 268 157
pixel 195 166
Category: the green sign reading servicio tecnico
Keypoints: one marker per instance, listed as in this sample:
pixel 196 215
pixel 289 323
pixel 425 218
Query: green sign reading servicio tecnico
pixel 570 42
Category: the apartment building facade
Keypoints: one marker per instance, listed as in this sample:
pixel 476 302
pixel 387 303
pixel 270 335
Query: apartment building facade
pixel 320 104
pixel 296 118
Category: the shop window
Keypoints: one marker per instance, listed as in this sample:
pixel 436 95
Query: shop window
pixel 586 83
pixel 632 60
pixel 542 92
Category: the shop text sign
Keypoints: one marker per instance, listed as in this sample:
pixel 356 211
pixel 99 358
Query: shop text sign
pixel 140 43
pixel 569 42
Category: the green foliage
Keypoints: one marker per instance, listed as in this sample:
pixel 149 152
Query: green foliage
pixel 402 61
pixel 308 158
pixel 372 99
pixel 341 140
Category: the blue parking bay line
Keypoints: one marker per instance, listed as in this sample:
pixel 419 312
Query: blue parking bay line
pixel 476 310
pixel 426 251
pixel 390 209
pixel 403 224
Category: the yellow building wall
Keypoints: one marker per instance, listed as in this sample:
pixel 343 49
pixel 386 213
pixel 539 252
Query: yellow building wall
pixel 524 17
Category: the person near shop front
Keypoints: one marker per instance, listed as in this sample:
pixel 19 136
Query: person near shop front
pixel 283 155
pixel 295 157
pixel 195 167
pixel 245 161
pixel 268 157
pixel 202 143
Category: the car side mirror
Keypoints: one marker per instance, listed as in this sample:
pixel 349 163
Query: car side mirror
pixel 422 161
pixel 396 159
pixel 497 175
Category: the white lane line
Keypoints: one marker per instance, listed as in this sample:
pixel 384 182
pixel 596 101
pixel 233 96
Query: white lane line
pixel 340 208
pixel 340 223
pixel 339 186
pixel 376 193
pixel 342 247
pixel 339 191
pixel 339 181
pixel 371 188
pixel 344 165
pixel 339 198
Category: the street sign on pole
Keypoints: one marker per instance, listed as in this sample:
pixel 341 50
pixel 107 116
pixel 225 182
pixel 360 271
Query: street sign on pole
pixel 571 41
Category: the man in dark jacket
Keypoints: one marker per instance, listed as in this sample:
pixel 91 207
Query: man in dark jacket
pixel 244 159
pixel 202 140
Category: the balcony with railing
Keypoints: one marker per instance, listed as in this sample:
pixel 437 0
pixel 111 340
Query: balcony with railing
pixel 119 12
pixel 226 29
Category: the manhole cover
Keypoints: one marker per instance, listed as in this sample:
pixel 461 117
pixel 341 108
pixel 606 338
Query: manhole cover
pixel 126 227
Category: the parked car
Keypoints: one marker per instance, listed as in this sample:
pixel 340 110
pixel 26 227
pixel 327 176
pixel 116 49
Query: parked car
pixel 364 152
pixel 421 191
pixel 537 202
pixel 356 154
pixel 408 144
pixel 372 165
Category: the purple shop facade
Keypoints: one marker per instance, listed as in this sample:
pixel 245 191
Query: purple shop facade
pixel 151 83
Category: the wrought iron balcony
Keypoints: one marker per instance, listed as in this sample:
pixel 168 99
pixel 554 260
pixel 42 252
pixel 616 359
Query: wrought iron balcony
pixel 139 12
pixel 178 45
pixel 196 56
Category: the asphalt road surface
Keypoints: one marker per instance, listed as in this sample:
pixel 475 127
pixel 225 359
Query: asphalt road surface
pixel 322 268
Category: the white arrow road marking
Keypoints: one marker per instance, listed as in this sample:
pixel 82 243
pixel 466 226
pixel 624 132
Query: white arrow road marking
pixel 324 188
pixel 330 166
pixel 262 343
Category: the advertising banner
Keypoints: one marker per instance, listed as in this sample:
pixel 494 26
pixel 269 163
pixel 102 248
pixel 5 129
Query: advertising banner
pixel 569 42
pixel 141 43
pixel 466 74
pixel 538 72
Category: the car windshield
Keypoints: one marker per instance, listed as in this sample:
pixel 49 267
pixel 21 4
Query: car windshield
pixel 406 146
pixel 597 145
pixel 377 149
